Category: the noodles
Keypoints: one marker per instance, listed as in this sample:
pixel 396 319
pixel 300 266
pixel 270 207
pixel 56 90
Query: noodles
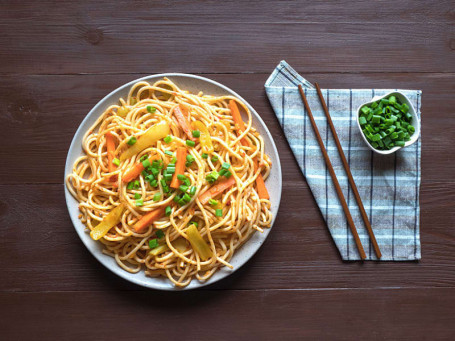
pixel 190 229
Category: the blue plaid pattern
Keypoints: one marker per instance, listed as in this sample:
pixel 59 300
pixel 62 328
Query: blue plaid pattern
pixel 388 184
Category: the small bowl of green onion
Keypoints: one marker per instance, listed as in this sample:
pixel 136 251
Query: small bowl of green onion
pixel 388 123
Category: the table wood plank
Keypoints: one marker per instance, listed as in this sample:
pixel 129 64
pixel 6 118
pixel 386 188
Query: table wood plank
pixel 39 242
pixel 40 48
pixel 206 315
pixel 41 114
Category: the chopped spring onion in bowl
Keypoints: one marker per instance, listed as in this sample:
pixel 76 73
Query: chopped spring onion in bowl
pixel 388 123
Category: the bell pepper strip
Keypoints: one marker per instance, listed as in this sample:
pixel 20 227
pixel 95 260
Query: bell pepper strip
pixel 183 121
pixel 147 219
pixel 216 189
pixel 153 134
pixel 205 140
pixel 198 243
pixel 179 167
pixel 262 190
pixel 239 125
pixel 108 222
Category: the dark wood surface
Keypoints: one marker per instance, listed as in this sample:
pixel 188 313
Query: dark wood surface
pixel 58 59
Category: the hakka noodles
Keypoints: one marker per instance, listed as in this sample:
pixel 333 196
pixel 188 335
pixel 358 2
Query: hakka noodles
pixel 172 182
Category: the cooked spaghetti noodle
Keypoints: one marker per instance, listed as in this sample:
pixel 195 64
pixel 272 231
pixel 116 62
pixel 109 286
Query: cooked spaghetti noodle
pixel 153 212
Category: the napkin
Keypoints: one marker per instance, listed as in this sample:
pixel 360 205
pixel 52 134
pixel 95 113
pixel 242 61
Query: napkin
pixel 388 184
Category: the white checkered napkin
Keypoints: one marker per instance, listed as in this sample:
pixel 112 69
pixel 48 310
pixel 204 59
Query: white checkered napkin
pixel 388 184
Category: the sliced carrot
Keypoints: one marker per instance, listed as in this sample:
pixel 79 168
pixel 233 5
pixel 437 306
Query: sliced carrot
pixel 110 145
pixel 183 121
pixel 179 167
pixel 147 219
pixel 134 171
pixel 240 126
pixel 216 189
pixel 262 190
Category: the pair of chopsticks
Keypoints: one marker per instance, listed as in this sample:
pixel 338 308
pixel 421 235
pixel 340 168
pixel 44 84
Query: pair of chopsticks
pixel 335 180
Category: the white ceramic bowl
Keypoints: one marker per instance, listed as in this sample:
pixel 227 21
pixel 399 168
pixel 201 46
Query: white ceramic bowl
pixel 415 122
pixel 194 84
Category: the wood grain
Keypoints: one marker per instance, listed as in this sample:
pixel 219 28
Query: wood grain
pixel 292 315
pixel 39 48
pixel 49 109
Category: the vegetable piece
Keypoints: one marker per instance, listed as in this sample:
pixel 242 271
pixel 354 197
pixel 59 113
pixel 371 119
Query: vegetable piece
pixel 239 125
pixel 225 165
pixel 122 111
pixel 205 155
pixel 196 133
pixel 204 139
pixel 181 116
pixel 153 243
pixel 168 152
pixel 108 222
pixel 137 196
pixel 179 167
pixel 116 162
pixel 132 140
pixel 219 212
pixel 147 219
pixel 153 134
pixel 260 184
pixel 168 210
pixel 151 109
pixel 110 146
pixel 133 172
pixel 216 189
pixel 198 243
pixel 158 250
pixel 190 143
pixel 139 202
pixel 156 196
pixel 167 139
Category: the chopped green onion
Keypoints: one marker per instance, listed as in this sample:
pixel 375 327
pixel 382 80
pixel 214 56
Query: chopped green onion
pixel 170 170
pixel 143 157
pixel 139 202
pixel 130 185
pixel 167 139
pixel 186 197
pixel 362 121
pixel 116 162
pixel 190 143
pixel 151 109
pixel 154 183
pixel 153 243
pixel 181 177
pixel 168 210
pixel 137 196
pixel 205 155
pixel 228 174
pixel 219 212
pixel 190 158
pixel 196 133
pixel 194 223
pixel 193 190
pixel 225 165
pixel 214 158
pixel 132 140
pixel 213 202
pixel 183 188
pixel 137 184
pixel 159 233
pixel 168 152
pixel 146 163
pixel 157 197
pixel 167 177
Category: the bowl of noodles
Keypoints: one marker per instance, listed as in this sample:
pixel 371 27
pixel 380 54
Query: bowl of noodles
pixel 173 181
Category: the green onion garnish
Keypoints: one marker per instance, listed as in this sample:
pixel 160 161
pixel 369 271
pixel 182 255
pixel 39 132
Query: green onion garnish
pixel 116 162
pixel 139 202
pixel 136 184
pixel 219 212
pixel 193 190
pixel 130 185
pixel 183 188
pixel 190 143
pixel 213 202
pixel 196 133
pixel 214 158
pixel 143 157
pixel 159 233
pixel 181 177
pixel 228 174
pixel 190 158
pixel 205 155
pixel 153 243
pixel 132 140
pixel 225 165
pixel 137 196
pixel 168 139
pixel 168 152
pixel 154 183
pixel 168 210
pixel 194 223
pixel 146 163
pixel 157 197
pixel 151 109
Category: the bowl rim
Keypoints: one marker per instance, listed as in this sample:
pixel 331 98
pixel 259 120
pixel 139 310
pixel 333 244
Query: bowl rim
pixel 415 121
pixel 117 270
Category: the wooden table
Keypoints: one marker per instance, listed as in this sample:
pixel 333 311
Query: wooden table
pixel 57 60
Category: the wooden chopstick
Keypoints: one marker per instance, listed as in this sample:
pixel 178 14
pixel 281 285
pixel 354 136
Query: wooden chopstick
pixel 334 177
pixel 377 251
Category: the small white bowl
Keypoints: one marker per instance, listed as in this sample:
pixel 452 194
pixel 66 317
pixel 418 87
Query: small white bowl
pixel 415 122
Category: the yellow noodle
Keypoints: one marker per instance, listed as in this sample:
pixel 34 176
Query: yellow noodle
pixel 244 212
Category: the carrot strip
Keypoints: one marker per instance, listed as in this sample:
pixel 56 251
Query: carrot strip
pixel 216 189
pixel 240 126
pixel 147 219
pixel 179 167
pixel 262 190
pixel 183 122
pixel 110 145
pixel 133 172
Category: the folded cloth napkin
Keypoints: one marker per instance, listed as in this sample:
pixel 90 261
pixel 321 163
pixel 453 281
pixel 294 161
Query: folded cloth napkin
pixel 388 184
